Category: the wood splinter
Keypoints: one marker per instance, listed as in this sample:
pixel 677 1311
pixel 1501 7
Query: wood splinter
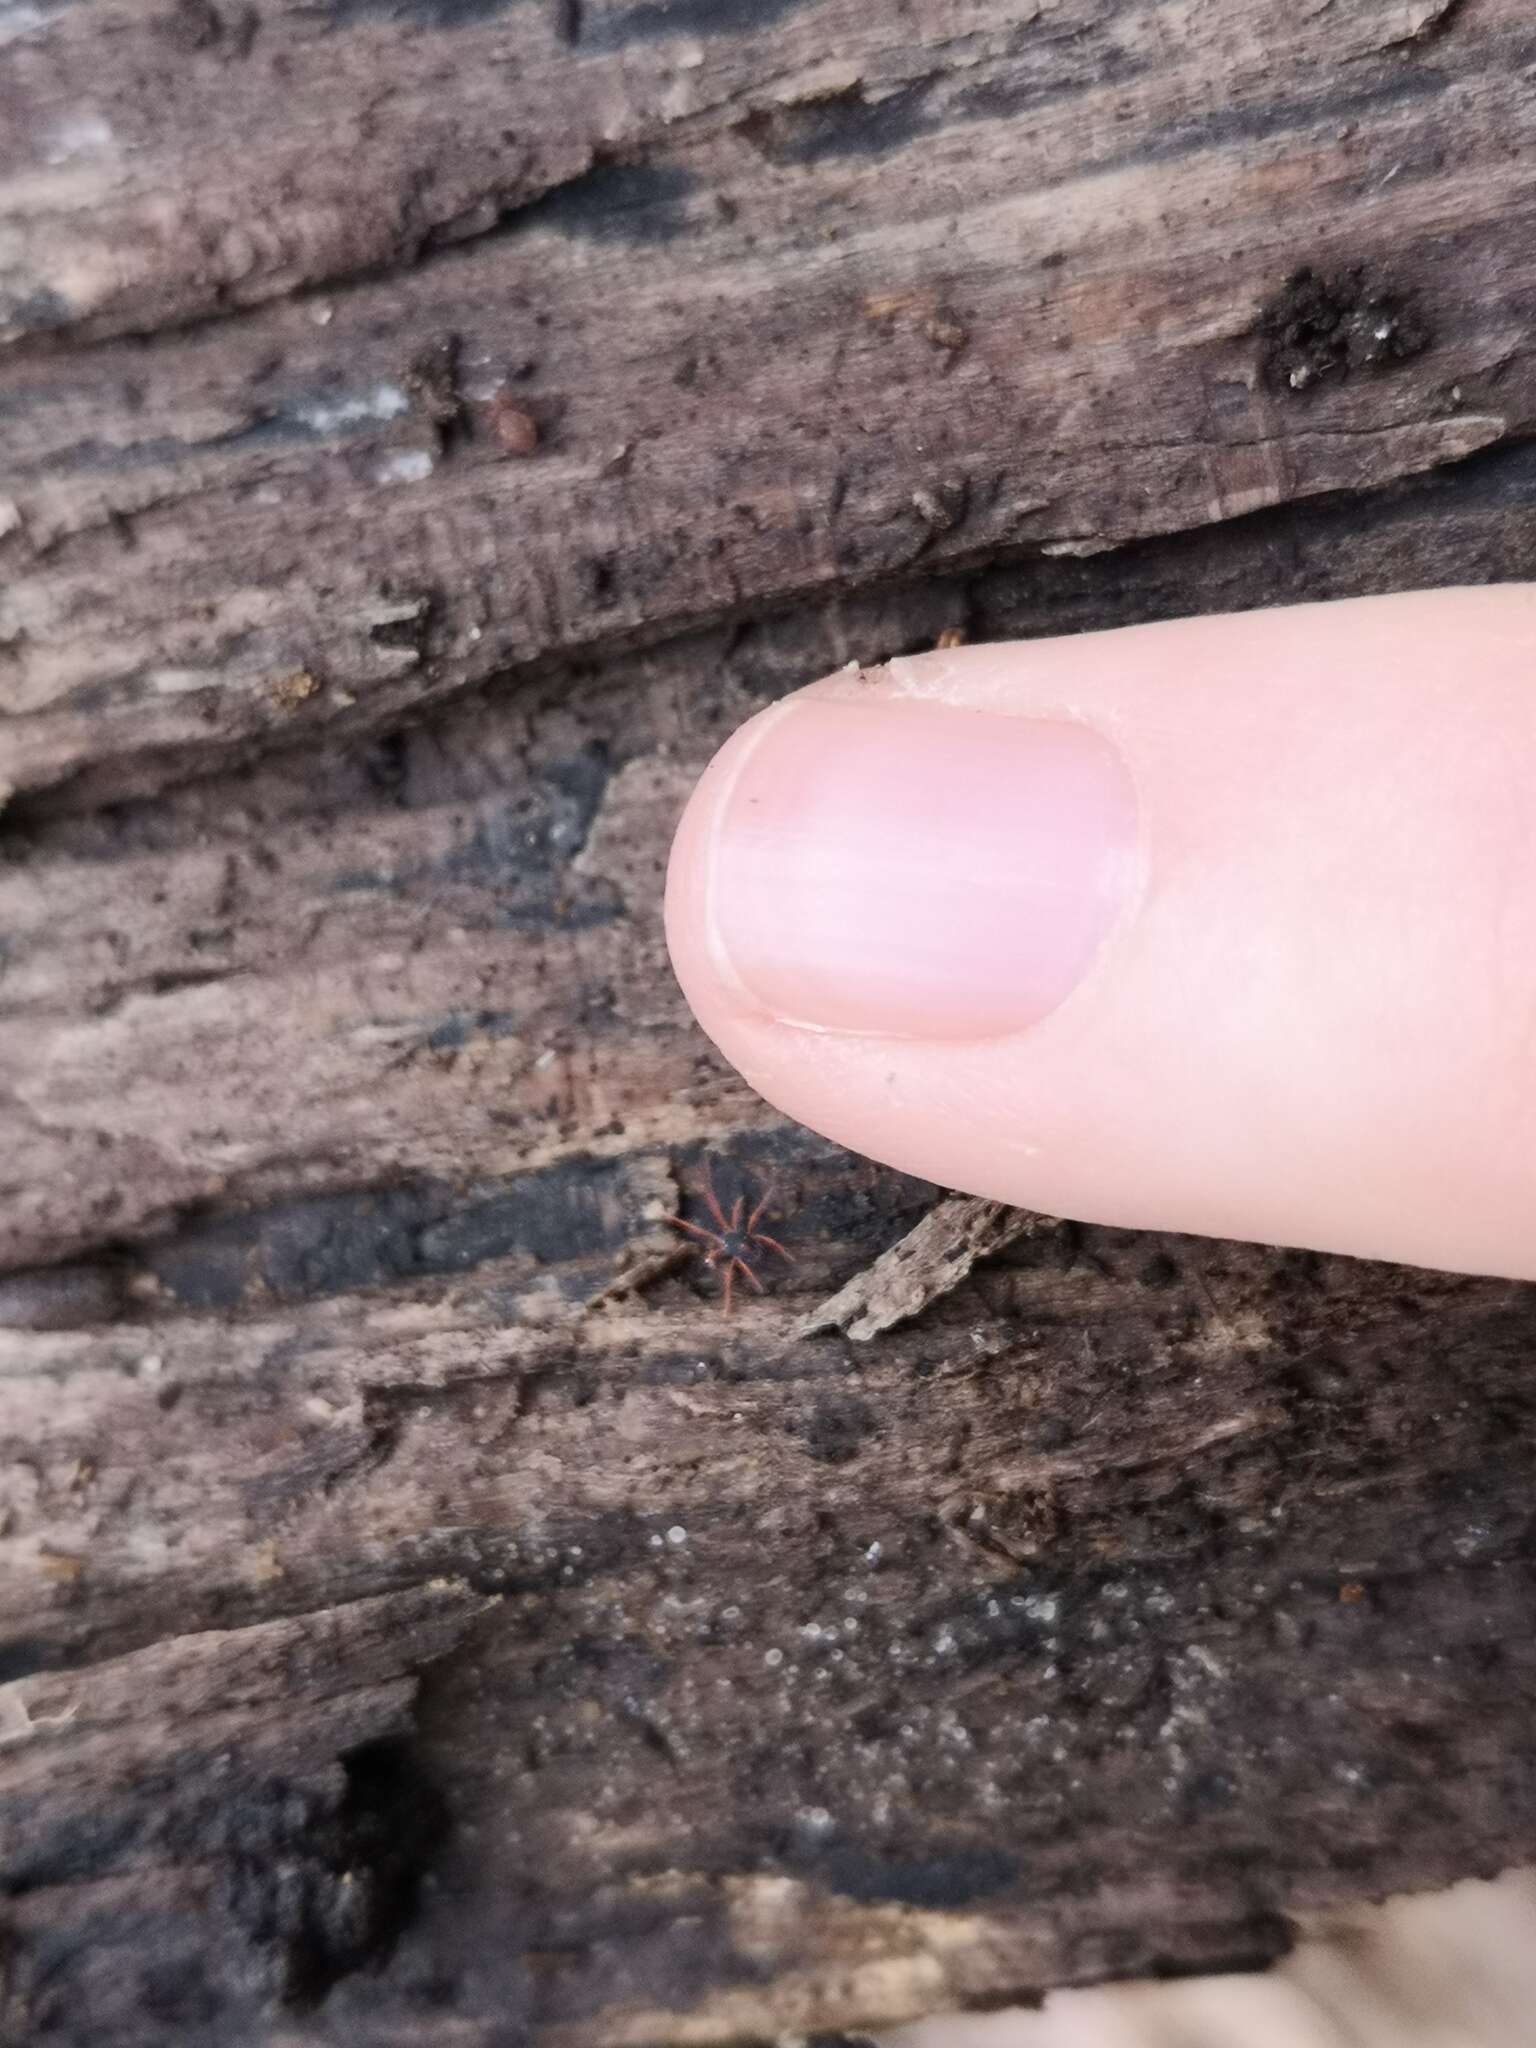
pixel 921 1267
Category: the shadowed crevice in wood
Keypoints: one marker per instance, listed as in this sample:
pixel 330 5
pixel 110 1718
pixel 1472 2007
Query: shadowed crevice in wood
pixel 219 1824
pixel 581 1209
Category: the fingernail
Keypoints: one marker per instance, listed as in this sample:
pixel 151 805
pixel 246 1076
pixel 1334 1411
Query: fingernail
pixel 916 869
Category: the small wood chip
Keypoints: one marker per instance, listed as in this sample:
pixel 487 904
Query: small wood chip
pixel 290 691
pixel 922 1267
pixel 655 1192
pixel 945 331
pixel 634 1276
pixel 59 1566
pixel 513 426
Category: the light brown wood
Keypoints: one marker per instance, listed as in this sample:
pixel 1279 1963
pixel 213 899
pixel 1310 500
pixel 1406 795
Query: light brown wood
pixel 423 1616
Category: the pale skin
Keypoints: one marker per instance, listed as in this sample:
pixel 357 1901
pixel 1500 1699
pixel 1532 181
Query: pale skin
pixel 1310 1017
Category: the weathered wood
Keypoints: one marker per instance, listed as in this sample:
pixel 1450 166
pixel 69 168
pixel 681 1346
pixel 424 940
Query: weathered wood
pixel 920 1268
pixel 1046 259
pixel 1136 1597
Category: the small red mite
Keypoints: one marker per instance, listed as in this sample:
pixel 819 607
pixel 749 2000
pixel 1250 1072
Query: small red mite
pixel 730 1246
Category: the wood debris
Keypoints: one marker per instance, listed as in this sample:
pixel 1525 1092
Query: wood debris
pixel 922 1267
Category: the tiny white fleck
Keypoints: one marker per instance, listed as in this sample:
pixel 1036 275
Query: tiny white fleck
pixel 18 20
pixel 180 682
pixel 85 135
pixel 383 402
pixel 406 466
pixel 677 1534
pixel 773 1659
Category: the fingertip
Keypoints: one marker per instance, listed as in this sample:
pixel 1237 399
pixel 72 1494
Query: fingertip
pixel 1225 926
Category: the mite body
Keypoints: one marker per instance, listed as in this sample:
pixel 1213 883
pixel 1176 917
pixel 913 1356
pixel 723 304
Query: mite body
pixel 730 1248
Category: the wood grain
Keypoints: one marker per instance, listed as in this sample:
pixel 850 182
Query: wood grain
pixel 1045 258
pixel 424 1617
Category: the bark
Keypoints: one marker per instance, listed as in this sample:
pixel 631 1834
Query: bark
pixel 426 431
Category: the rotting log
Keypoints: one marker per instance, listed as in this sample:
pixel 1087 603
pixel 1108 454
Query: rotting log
pixel 426 431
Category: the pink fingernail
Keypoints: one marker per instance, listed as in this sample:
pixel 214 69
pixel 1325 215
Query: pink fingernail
pixel 918 870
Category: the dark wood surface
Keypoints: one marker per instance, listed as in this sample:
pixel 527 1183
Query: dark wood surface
pixel 424 433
